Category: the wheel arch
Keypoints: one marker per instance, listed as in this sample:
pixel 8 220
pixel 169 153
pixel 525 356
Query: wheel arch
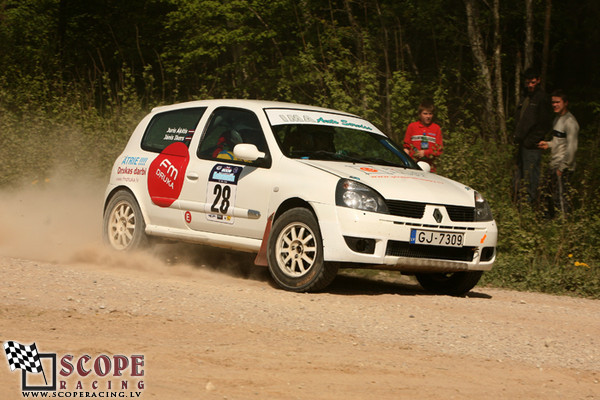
pixel 294 202
pixel 123 188
pixel 112 194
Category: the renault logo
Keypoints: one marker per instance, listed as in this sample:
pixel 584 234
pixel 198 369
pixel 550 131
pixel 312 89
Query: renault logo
pixel 437 215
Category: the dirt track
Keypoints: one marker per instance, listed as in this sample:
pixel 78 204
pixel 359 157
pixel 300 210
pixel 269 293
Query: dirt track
pixel 210 327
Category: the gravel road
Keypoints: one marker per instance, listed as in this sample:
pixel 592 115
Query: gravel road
pixel 212 334
pixel 210 326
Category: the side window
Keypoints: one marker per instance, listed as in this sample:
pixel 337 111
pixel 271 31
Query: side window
pixel 171 127
pixel 228 127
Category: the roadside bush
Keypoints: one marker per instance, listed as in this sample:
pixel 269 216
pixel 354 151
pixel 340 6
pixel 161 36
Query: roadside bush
pixel 557 255
pixel 49 124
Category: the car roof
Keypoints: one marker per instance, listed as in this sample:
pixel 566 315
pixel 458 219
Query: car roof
pixel 255 105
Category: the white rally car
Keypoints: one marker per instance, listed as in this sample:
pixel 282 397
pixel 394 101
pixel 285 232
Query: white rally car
pixel 308 189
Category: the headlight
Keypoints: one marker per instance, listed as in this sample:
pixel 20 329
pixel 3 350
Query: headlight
pixel 483 212
pixel 353 194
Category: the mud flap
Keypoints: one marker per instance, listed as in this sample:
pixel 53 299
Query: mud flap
pixel 261 257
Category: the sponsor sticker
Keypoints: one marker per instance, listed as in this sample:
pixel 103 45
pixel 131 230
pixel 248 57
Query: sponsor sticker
pixel 291 116
pixel 221 192
pixel 381 172
pixel 131 169
pixel 167 173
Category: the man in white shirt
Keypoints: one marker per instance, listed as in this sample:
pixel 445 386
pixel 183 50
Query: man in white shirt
pixel 563 146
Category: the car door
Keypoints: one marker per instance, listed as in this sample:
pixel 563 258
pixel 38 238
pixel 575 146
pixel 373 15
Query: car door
pixel 166 141
pixel 222 194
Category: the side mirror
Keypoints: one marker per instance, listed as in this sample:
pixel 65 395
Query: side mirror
pixel 424 166
pixel 247 152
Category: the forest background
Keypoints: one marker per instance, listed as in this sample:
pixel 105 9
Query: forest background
pixel 77 76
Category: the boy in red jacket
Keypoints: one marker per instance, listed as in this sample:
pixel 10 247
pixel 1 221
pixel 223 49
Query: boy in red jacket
pixel 423 139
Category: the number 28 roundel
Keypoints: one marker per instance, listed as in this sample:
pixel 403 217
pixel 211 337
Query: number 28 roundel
pixel 221 192
pixel 166 174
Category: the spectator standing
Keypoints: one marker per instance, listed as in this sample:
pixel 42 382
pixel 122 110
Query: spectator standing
pixel 565 132
pixel 423 138
pixel 534 121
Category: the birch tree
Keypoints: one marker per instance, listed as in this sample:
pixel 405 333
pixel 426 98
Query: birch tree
pixel 528 34
pixel 546 50
pixel 498 71
pixel 481 61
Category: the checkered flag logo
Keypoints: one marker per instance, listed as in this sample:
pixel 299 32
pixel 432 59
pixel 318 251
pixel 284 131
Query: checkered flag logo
pixel 23 357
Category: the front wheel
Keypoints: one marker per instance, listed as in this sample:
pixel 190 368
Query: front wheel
pixel 123 225
pixel 452 283
pixel 295 253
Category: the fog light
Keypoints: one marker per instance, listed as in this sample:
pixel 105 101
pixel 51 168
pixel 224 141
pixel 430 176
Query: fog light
pixel 487 253
pixel 360 245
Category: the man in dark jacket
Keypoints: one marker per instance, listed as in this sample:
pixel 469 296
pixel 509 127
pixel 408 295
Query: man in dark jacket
pixel 534 120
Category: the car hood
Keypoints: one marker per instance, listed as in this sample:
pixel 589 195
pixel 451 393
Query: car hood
pixel 400 183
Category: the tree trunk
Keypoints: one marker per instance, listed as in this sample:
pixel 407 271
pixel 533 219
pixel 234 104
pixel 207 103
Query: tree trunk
pixel 387 117
pixel 498 72
pixel 518 71
pixel 546 52
pixel 485 79
pixel 360 47
pixel 528 34
pixel 399 47
pixel 411 59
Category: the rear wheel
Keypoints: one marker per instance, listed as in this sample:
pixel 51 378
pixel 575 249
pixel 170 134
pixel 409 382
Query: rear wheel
pixel 295 253
pixel 123 225
pixel 452 283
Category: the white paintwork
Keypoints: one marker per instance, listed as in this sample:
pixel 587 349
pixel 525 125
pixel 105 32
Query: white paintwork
pixel 261 191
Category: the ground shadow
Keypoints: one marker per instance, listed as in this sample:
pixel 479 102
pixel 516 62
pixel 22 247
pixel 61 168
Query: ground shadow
pixel 234 263
pixel 383 283
pixel 348 282
pixel 350 285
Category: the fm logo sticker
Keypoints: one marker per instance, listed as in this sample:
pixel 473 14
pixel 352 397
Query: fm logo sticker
pixel 166 174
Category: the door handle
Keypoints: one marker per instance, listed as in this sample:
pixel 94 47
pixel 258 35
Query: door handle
pixel 192 176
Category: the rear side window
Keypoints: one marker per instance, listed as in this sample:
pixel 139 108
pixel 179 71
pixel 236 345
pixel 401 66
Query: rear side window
pixel 171 127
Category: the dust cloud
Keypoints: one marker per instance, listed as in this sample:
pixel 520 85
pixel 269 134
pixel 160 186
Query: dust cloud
pixel 59 220
pixel 51 220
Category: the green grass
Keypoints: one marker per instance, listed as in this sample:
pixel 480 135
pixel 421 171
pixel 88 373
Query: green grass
pixel 559 256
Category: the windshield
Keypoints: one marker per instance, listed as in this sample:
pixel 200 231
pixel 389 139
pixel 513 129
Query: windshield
pixel 324 139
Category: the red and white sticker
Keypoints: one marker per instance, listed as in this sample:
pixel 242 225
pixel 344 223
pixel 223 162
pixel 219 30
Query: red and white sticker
pixel 166 174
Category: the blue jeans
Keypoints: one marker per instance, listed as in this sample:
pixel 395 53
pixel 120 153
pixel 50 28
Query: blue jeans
pixel 529 171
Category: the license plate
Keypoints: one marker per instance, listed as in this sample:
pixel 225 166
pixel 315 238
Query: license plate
pixel 436 238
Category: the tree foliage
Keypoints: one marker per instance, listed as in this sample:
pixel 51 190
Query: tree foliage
pixel 342 53
pixel 85 71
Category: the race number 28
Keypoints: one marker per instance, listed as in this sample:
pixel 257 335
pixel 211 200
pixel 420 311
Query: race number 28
pixel 220 193
pixel 221 202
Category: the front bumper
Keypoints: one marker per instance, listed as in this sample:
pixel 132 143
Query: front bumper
pixel 388 241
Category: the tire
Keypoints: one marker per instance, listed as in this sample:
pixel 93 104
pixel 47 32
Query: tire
pixel 295 253
pixel 123 226
pixel 453 283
